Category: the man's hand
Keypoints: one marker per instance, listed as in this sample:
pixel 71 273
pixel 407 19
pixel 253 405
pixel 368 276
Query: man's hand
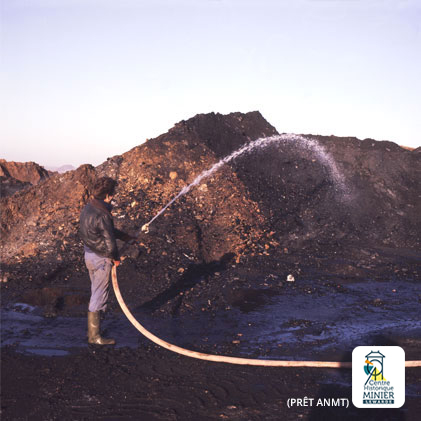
pixel 116 262
pixel 149 229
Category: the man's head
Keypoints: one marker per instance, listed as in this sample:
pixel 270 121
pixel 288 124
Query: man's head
pixel 104 188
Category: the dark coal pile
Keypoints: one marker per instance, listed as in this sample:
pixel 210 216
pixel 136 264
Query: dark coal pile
pixel 270 213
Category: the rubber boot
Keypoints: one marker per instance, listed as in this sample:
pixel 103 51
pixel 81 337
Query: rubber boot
pixel 94 336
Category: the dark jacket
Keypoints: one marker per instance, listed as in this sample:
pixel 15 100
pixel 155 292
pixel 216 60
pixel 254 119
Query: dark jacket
pixel 97 229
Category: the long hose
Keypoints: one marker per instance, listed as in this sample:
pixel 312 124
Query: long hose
pixel 223 358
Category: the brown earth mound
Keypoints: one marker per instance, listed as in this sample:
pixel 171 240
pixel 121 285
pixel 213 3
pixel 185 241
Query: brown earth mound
pixel 29 172
pixel 275 211
pixel 17 176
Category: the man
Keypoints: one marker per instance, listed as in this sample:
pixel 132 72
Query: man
pixel 99 237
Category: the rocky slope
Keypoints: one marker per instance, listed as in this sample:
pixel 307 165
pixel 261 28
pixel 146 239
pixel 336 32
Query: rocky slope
pixel 29 172
pixel 15 176
pixel 340 206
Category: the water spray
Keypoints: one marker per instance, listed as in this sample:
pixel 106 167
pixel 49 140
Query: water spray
pixel 310 144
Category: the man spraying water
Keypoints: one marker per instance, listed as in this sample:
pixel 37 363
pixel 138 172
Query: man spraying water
pixel 99 237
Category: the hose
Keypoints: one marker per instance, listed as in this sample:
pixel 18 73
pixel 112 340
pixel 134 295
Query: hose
pixel 223 358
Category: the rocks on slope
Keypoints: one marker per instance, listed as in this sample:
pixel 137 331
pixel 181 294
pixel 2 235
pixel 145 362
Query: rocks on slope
pixel 280 206
pixel 43 219
pixel 16 176
pixel 371 200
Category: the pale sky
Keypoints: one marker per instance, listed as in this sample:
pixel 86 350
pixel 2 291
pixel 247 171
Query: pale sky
pixel 83 80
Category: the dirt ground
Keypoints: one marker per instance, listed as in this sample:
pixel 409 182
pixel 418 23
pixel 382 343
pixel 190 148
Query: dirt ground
pixel 141 381
pixel 150 383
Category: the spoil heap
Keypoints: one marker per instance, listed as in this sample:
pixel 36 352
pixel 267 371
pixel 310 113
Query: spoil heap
pixel 276 211
pixel 15 176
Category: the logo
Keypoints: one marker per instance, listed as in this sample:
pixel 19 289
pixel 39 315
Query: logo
pixel 378 377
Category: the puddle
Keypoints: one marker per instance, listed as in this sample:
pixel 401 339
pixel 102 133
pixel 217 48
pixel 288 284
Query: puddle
pixel 295 324
pixel 24 327
pixel 300 325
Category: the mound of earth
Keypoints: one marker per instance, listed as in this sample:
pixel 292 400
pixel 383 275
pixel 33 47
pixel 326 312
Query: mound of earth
pixel 319 207
pixel 17 176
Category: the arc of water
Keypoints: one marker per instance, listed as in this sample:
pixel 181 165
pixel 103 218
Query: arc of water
pixel 324 157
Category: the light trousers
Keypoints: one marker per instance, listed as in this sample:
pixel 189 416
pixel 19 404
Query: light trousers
pixel 99 271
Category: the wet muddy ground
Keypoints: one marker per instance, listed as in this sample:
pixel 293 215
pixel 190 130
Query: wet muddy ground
pixel 49 372
pixel 148 383
pixel 309 317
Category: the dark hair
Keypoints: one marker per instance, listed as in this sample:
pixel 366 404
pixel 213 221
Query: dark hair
pixel 104 186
